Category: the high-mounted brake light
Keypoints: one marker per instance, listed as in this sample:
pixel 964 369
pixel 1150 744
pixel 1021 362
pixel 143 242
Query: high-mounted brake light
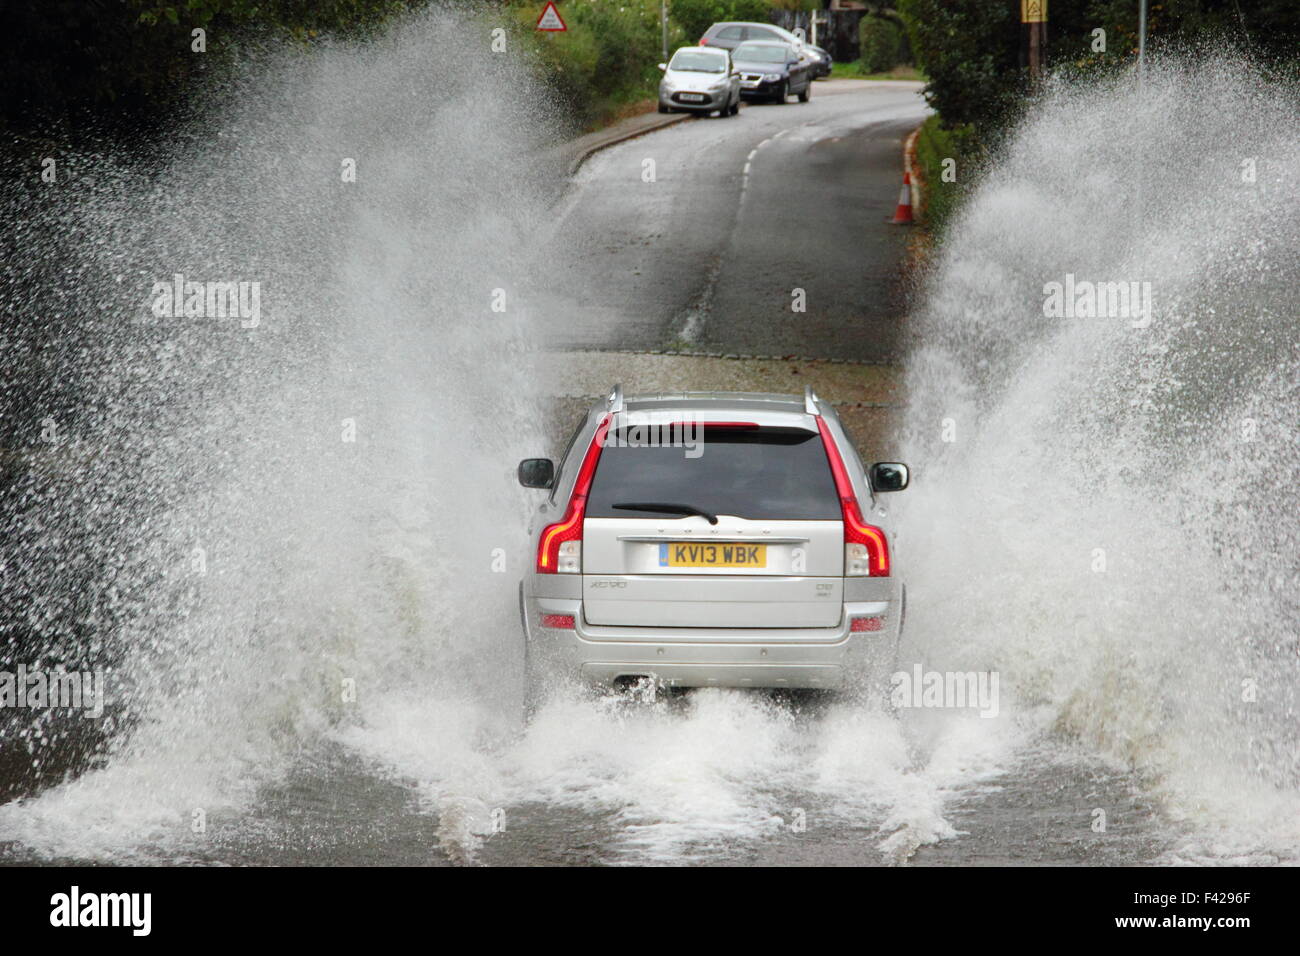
pixel 866 552
pixel 559 549
pixel 735 425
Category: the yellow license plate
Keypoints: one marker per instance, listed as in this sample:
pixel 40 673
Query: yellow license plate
pixel 692 554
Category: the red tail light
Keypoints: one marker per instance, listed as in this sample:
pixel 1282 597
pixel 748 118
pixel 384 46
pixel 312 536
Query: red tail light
pixel 860 624
pixel 704 41
pixel 569 528
pixel 856 531
pixel 561 622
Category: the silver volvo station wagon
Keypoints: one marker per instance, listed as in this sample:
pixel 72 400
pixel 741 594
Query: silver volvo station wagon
pixel 710 539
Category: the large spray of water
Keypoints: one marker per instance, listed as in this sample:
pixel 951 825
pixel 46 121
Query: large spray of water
pixel 257 515
pixel 1107 508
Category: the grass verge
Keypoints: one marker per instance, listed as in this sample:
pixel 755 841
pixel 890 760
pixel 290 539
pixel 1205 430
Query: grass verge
pixel 853 71
pixel 940 198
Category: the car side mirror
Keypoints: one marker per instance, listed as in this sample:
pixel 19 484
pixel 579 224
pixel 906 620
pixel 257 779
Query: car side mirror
pixel 536 472
pixel 889 476
pixel 663 66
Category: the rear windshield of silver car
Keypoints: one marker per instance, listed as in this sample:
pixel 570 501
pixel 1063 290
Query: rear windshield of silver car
pixel 695 61
pixel 776 474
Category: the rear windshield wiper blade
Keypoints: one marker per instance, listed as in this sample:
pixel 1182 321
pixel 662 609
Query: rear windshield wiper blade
pixel 663 507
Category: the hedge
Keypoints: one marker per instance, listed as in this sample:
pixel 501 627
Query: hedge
pixel 881 43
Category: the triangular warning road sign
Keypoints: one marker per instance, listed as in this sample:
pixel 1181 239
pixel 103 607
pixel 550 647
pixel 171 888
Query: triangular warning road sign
pixel 551 20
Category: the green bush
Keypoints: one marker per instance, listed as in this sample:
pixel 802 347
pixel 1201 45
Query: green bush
pixel 753 10
pixel 567 60
pixel 605 58
pixel 970 51
pixel 880 41
pixel 628 39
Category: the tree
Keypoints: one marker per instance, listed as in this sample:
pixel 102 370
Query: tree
pixel 970 50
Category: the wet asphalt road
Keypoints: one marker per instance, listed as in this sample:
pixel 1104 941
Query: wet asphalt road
pixel 741 212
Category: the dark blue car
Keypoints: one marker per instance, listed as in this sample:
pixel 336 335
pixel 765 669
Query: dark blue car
pixel 772 71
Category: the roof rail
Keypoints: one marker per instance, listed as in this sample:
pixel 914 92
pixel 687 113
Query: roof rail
pixel 615 400
pixel 810 401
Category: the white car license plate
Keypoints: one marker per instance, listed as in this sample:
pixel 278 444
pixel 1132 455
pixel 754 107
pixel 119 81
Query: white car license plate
pixel 692 97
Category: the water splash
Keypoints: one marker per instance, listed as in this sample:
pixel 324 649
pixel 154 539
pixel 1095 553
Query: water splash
pixel 260 521
pixel 1106 512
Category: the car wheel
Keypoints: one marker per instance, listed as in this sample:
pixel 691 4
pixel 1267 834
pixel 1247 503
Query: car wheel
pixel 807 92
pixel 735 107
pixel 783 92
pixel 662 108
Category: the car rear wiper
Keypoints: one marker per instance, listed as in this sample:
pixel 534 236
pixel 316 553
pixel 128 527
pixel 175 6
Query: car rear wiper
pixel 663 507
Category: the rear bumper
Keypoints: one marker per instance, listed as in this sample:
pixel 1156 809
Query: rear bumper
pixel 712 101
pixel 829 658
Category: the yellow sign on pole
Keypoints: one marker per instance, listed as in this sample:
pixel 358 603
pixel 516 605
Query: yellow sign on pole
pixel 1033 11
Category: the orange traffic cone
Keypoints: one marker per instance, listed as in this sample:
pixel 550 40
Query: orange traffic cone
pixel 903 214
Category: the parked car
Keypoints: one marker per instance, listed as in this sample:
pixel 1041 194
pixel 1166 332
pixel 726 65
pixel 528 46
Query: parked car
pixel 821 60
pixel 732 34
pixel 700 80
pixel 739 557
pixel 770 70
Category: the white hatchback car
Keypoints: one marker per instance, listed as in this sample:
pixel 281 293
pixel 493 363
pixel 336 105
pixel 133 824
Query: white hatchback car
pixel 710 540
pixel 700 80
